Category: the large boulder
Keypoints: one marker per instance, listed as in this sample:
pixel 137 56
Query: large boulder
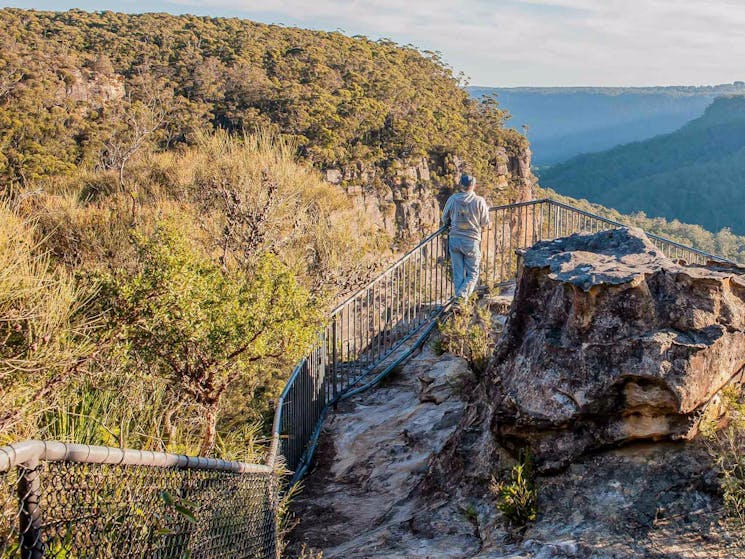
pixel 609 341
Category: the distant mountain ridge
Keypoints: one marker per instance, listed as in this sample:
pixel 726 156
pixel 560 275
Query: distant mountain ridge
pixel 695 174
pixel 567 121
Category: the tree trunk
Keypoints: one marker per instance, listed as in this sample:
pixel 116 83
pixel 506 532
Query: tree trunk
pixel 210 431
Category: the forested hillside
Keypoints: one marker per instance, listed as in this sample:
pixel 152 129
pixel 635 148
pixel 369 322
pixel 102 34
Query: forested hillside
pixel 184 197
pixel 567 121
pixel 696 174
pixel 723 243
pixel 84 89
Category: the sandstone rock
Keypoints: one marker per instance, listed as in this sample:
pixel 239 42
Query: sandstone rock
pixel 94 89
pixel 502 162
pixel 334 176
pixel 418 187
pixel 374 453
pixel 608 341
pixel 368 497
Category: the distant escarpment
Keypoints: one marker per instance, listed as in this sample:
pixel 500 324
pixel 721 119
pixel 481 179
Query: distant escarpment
pixel 694 174
pixel 567 121
pixel 609 341
pixel 389 124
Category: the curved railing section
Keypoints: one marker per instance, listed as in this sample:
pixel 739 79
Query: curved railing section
pixel 74 501
pixel 66 500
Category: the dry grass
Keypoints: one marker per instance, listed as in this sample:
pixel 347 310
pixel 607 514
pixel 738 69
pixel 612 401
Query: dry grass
pixel 311 225
pixel 44 338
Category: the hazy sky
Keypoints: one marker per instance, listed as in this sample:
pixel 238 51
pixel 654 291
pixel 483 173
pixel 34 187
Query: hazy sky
pixel 515 42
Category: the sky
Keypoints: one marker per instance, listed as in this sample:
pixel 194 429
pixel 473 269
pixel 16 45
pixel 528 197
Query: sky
pixel 505 43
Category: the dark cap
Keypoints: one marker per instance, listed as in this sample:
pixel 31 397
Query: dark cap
pixel 467 181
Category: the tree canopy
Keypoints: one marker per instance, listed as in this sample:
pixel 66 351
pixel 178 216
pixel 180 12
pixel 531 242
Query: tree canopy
pixel 79 88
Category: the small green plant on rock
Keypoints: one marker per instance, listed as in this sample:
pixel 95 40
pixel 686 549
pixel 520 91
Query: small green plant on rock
pixel 468 333
pixel 517 498
pixel 309 553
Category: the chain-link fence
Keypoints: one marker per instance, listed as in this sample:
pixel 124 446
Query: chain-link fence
pixel 79 501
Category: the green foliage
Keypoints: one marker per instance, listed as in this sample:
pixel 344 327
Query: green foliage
pixel 693 174
pixel 517 498
pixel 82 235
pixel 723 243
pixel 723 429
pixel 345 101
pixel 203 329
pixel 468 332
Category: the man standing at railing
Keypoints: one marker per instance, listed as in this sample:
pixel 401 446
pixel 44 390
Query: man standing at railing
pixel 467 214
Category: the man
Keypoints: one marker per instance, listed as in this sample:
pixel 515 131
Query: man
pixel 467 214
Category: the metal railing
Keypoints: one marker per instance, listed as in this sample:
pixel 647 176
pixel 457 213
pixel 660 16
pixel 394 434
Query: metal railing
pixel 64 500
pixel 367 328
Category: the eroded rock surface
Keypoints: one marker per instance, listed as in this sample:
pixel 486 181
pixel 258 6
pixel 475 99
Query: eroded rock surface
pixel 608 341
pixel 361 500
pixel 370 496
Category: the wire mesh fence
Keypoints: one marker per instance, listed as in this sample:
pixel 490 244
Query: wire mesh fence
pixel 77 501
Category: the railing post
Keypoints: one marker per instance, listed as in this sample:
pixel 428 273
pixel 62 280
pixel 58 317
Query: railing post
pixel 334 360
pixel 29 496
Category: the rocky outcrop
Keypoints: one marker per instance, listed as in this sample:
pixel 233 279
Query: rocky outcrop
pixel 608 341
pixel 371 496
pixel 405 197
pixel 94 89
pixel 375 450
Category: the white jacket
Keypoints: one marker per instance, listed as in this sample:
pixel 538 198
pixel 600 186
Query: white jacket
pixel 467 215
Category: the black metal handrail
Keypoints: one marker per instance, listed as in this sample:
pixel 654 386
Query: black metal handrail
pixel 374 322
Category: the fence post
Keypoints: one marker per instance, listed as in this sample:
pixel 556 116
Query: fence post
pixel 29 495
pixel 272 519
pixel 334 380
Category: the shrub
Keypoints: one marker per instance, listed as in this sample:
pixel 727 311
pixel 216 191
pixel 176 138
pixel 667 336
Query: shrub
pixel 726 446
pixel 518 497
pixel 312 243
pixel 469 333
pixel 44 339
pixel 205 330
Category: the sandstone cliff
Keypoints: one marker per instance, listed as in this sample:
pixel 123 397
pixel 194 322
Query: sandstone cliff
pixel 406 196
pixel 92 88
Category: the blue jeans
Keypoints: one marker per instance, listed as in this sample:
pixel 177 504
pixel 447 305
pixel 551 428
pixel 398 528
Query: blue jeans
pixel 465 256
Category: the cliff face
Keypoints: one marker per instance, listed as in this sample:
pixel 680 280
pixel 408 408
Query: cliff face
pixel 406 196
pixel 94 89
